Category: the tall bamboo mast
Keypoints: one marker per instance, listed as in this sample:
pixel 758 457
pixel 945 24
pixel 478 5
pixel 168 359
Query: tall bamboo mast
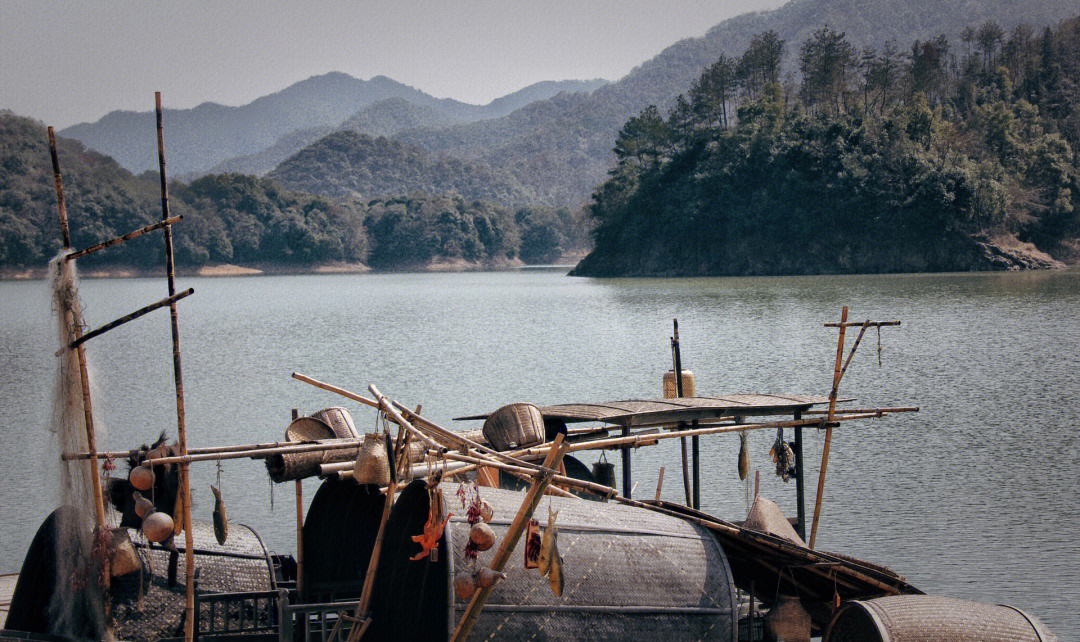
pixel 181 424
pixel 828 431
pixel 74 318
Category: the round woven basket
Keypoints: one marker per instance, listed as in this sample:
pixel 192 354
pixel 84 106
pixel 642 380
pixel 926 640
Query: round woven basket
pixel 307 429
pixel 339 420
pixel 517 425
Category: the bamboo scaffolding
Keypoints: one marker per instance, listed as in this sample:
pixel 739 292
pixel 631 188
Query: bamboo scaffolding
pixel 74 319
pixel 638 440
pixel 131 317
pixel 181 422
pixel 513 534
pixel 120 239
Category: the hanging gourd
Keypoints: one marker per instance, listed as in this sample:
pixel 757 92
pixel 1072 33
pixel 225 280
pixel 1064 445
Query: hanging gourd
pixel 141 477
pixel 464 585
pixel 143 506
pixel 487 577
pixel 482 536
pixel 157 527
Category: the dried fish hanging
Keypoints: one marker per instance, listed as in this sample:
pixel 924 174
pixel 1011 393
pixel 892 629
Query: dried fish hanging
pixel 221 522
pixel 783 457
pixel 466 581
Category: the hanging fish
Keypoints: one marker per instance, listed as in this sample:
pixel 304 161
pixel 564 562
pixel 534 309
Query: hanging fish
pixel 221 522
pixel 532 544
pixel 433 527
pixel 547 546
pixel 783 457
pixel 744 455
pixel 555 571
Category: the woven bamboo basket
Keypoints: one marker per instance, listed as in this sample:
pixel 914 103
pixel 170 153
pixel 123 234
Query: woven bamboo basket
pixel 517 425
pixel 931 618
pixel 308 429
pixel 372 466
pixel 688 388
pixel 339 420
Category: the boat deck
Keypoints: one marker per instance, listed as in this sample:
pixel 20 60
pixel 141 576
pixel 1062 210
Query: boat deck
pixel 7 589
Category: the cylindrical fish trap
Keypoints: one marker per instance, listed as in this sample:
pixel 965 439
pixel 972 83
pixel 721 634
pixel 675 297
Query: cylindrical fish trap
pixel 671 392
pixel 627 574
pixel 931 618
pixel 517 425
pixel 604 471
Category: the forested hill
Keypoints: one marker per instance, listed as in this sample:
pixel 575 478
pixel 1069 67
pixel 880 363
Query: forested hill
pixel 211 134
pixel 348 164
pixel 249 221
pixel 937 155
pixel 562 146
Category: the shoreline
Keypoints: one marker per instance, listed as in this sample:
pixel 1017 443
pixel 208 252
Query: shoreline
pixel 231 270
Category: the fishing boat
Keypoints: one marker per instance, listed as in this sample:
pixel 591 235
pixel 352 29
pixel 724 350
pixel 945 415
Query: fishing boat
pixel 422 532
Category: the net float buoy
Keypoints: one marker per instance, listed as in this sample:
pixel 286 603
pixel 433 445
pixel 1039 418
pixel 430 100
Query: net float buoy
pixel 141 477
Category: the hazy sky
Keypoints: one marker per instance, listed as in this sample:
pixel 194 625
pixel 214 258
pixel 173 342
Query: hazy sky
pixel 66 62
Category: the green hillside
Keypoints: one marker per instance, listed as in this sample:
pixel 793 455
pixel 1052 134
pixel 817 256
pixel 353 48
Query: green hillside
pixel 935 156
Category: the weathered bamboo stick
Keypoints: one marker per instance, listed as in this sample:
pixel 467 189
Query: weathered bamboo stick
pixel 556 478
pixel 882 411
pixel 369 577
pixel 872 324
pixel 73 317
pixel 510 540
pixel 272 448
pixel 659 483
pixel 396 417
pixel 637 440
pixel 330 444
pixel 299 528
pixel 335 390
pixel 120 239
pixel 181 423
pixel 828 431
pixel 131 317
pixel 449 435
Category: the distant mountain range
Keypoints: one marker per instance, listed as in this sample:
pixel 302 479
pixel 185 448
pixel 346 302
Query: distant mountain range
pixel 553 139
pixel 201 138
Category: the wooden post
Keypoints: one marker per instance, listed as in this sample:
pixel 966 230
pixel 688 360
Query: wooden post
pixel 513 534
pixel 626 464
pixel 659 483
pixel 299 530
pixel 676 356
pixel 181 422
pixel 75 321
pixel 828 430
pixel 800 485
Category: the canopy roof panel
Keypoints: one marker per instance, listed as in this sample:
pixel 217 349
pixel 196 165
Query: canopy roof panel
pixel 642 412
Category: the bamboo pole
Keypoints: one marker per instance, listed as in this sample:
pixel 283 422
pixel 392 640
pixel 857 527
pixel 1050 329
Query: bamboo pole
pixel 74 318
pixel 650 438
pixel 299 529
pixel 120 239
pixel 334 389
pixel 828 431
pixel 872 324
pixel 181 422
pixel 271 448
pixel 131 317
pixel 513 534
pixel 369 577
pixel 659 483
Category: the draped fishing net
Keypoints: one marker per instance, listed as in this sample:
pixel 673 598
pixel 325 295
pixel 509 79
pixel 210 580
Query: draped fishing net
pixel 77 605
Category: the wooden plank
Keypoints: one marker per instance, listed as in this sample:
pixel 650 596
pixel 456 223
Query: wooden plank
pixel 7 590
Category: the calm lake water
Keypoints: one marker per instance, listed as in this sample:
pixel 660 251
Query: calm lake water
pixel 974 497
